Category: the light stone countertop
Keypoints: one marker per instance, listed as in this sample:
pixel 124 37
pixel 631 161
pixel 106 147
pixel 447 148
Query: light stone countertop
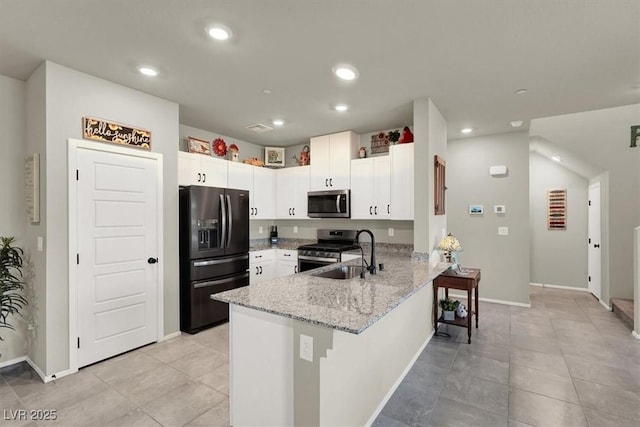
pixel 347 305
pixel 284 243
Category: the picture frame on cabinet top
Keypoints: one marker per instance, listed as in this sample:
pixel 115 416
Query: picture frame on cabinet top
pixel 199 146
pixel 274 157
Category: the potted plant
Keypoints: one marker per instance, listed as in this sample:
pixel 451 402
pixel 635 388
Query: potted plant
pixel 448 307
pixel 11 284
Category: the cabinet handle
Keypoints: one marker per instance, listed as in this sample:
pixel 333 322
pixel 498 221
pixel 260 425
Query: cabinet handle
pixel 326 182
pixel 293 211
pixel 260 269
pixel 330 182
pixel 287 254
pixel 257 271
pixel 388 209
pixel 199 176
pixel 289 211
pixel 204 177
pixel 256 211
pixel 375 210
pixel 370 208
pixel 295 269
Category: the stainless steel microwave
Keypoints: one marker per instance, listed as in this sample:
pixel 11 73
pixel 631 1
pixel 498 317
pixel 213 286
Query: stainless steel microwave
pixel 329 204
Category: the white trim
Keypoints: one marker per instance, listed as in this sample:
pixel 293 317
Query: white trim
pixel 570 288
pixel 635 335
pixel 43 377
pixel 170 336
pixel 72 149
pixel 398 381
pixel 541 285
pixel 13 361
pixel 609 308
pixel 495 301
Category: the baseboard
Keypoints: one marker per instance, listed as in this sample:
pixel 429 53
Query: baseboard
pixel 495 301
pixel 171 335
pixel 13 361
pixel 605 305
pixel 635 335
pixel 398 381
pixel 569 288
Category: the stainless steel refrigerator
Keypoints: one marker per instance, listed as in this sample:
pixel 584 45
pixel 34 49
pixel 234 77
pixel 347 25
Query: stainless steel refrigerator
pixel 214 252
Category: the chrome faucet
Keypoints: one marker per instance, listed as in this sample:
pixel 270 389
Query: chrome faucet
pixel 372 266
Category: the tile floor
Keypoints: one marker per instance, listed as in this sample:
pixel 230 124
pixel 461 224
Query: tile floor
pixel 564 362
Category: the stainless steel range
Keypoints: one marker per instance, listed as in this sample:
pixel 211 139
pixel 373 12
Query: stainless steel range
pixel 331 244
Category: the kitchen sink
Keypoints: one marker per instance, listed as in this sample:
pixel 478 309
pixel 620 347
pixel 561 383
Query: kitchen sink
pixel 342 272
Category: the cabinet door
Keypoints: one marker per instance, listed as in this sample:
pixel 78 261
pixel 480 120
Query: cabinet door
pixel 320 163
pixel 264 193
pixel 342 147
pixel 362 189
pixel 401 157
pixel 240 177
pixel 300 178
pixel 382 187
pixel 214 171
pixel 286 268
pixel 284 193
pixel 189 169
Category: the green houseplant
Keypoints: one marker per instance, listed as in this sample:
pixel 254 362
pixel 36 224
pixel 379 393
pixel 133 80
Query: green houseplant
pixel 11 284
pixel 448 307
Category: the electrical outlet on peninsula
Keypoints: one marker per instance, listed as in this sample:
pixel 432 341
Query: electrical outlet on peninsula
pixel 306 347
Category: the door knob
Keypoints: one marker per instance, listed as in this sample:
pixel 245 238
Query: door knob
pixel 152 260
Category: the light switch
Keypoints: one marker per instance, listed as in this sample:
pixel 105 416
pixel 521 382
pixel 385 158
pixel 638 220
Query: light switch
pixel 40 241
pixel 503 231
pixel 260 229
pixel 391 231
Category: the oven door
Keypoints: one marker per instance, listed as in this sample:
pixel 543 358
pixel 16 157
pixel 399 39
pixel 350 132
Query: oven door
pixel 306 263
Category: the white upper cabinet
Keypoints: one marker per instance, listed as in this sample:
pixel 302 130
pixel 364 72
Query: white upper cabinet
pixel 371 188
pixel 261 184
pixel 401 157
pixel 292 186
pixel 331 161
pixel 198 169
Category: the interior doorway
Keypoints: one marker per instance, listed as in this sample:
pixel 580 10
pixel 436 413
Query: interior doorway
pixel 594 252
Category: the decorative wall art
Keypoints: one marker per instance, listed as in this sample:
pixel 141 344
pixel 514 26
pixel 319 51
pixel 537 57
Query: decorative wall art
pixel 635 136
pixel 102 130
pixel 274 156
pixel 381 141
pixel 32 187
pixel 199 146
pixel 557 209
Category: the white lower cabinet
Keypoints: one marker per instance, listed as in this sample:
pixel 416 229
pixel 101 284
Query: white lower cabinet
pixel 286 262
pixel 262 266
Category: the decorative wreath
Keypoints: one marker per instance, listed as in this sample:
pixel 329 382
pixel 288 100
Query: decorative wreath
pixel 219 147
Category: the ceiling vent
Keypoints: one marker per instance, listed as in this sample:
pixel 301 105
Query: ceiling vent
pixel 259 128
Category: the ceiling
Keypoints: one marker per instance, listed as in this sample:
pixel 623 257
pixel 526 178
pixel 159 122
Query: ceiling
pixel 469 56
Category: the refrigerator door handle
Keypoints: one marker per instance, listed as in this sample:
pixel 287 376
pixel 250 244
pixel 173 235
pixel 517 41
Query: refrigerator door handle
pixel 230 214
pixel 224 222
pixel 219 261
pixel 219 282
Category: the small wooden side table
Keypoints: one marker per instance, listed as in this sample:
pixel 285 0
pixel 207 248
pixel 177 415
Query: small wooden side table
pixel 450 280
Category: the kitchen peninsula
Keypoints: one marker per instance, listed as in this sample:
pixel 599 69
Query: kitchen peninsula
pixel 307 350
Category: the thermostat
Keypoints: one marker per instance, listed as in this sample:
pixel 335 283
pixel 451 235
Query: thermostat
pixel 498 170
pixel 499 209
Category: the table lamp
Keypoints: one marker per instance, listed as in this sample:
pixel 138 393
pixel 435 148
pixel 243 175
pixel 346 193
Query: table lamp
pixel 449 244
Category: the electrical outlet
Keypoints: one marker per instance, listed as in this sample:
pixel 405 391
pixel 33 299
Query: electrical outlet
pixel 260 229
pixel 503 231
pixel 295 228
pixel 391 231
pixel 306 347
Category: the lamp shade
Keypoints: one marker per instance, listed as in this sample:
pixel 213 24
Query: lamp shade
pixel 449 244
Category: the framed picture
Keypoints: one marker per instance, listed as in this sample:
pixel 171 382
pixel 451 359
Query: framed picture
pixel 199 146
pixel 274 156
pixel 476 209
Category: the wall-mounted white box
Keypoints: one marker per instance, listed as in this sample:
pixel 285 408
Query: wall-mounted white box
pixel 503 231
pixel 498 170
pixel 499 209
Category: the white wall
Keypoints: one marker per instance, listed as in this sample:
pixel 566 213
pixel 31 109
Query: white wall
pixel 12 212
pixel 245 149
pixel 70 95
pixel 602 138
pixel 504 260
pixel 558 257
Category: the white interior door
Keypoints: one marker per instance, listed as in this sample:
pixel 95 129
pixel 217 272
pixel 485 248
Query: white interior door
pixel 594 252
pixel 117 241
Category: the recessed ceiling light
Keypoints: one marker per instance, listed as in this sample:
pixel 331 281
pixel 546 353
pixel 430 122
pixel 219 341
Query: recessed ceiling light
pixel 341 107
pixel 466 130
pixel 278 122
pixel 556 158
pixel 520 91
pixel 345 71
pixel 148 71
pixel 219 32
pixel 516 123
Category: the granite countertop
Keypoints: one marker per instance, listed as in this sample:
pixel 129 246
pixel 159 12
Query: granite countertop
pixel 347 305
pixel 284 243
